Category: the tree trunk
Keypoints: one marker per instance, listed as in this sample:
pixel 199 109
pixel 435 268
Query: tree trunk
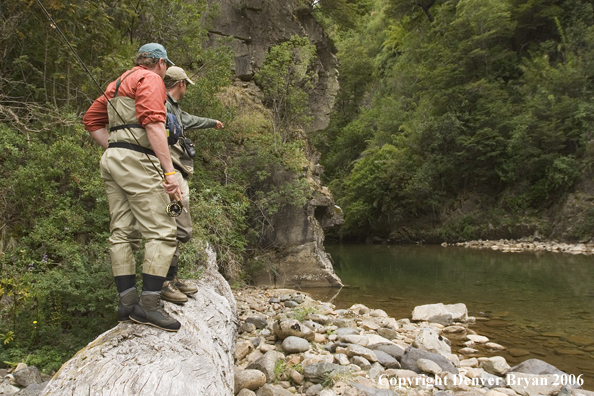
pixel 133 359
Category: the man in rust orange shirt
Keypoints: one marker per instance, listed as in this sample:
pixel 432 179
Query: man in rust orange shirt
pixel 129 122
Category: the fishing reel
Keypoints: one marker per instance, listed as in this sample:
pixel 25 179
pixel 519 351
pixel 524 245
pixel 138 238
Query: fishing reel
pixel 174 208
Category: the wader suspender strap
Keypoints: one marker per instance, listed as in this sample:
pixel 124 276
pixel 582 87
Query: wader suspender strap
pixel 126 145
pixel 115 95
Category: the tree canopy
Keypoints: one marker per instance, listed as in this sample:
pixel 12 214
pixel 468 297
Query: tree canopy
pixel 484 100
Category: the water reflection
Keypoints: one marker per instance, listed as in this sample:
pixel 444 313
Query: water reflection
pixel 539 304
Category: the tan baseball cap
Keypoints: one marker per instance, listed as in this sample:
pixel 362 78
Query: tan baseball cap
pixel 177 74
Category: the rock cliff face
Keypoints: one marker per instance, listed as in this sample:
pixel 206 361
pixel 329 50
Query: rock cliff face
pixel 251 27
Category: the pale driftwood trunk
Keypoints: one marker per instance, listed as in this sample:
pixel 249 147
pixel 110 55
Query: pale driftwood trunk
pixel 133 359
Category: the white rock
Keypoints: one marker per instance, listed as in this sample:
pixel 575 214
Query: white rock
pixel 242 349
pixel 360 309
pixel 495 365
pixel 472 362
pixel 376 339
pixel 378 313
pixel 249 379
pixel 342 359
pixel 454 359
pixel 477 338
pixel 506 391
pixel 468 351
pixel 459 312
pixel 357 350
pixel 494 346
pixel 492 392
pixel 355 339
pixel 474 372
pixel 454 329
pixel 429 340
pixel 369 324
pixel 533 385
pixel 429 366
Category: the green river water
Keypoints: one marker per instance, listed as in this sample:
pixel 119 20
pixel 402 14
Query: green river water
pixel 537 305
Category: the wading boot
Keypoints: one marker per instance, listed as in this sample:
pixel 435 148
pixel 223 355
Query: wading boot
pixel 128 298
pixel 183 287
pixel 149 311
pixel 171 293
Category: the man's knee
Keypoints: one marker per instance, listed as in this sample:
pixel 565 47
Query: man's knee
pixel 184 235
pixel 124 235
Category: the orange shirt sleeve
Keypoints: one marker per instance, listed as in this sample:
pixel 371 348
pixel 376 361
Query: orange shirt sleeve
pixel 96 116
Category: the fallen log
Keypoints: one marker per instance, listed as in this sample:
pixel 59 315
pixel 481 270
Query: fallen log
pixel 133 359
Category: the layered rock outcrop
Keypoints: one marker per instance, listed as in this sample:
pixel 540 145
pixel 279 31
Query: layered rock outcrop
pixel 251 28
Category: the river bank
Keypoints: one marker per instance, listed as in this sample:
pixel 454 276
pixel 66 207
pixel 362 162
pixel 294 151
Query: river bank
pixel 291 344
pixel 526 245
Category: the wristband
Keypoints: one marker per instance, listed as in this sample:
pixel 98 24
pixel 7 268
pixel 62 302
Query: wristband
pixel 169 174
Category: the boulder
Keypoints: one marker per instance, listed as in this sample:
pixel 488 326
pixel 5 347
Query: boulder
pixel 249 379
pixel 342 359
pixel 344 331
pixel 439 312
pixel 273 390
pixel 318 372
pixel 292 327
pixel 315 326
pixel 491 381
pixel 27 376
pixel 377 339
pixel 31 390
pixel 242 349
pixel 533 385
pixel 358 350
pixel 396 351
pixel 368 391
pixel 477 338
pixel 259 322
pixel 429 366
pixel 495 365
pixel 412 354
pixel 387 333
pixel 294 344
pixel 361 362
pixel 429 340
pixel 354 339
pixel 536 367
pixel 539 367
pixel 266 364
pixel 386 360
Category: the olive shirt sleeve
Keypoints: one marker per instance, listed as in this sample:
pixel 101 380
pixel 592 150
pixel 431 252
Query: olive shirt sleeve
pixel 194 122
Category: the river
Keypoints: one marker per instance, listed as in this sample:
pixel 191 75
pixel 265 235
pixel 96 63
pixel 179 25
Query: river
pixel 536 304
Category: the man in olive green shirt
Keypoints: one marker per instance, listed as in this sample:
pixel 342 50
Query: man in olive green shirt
pixel 176 83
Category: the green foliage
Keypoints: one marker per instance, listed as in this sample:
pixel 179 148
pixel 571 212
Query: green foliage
pixel 52 257
pixel 302 311
pixel 279 368
pixel 286 79
pixel 491 97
